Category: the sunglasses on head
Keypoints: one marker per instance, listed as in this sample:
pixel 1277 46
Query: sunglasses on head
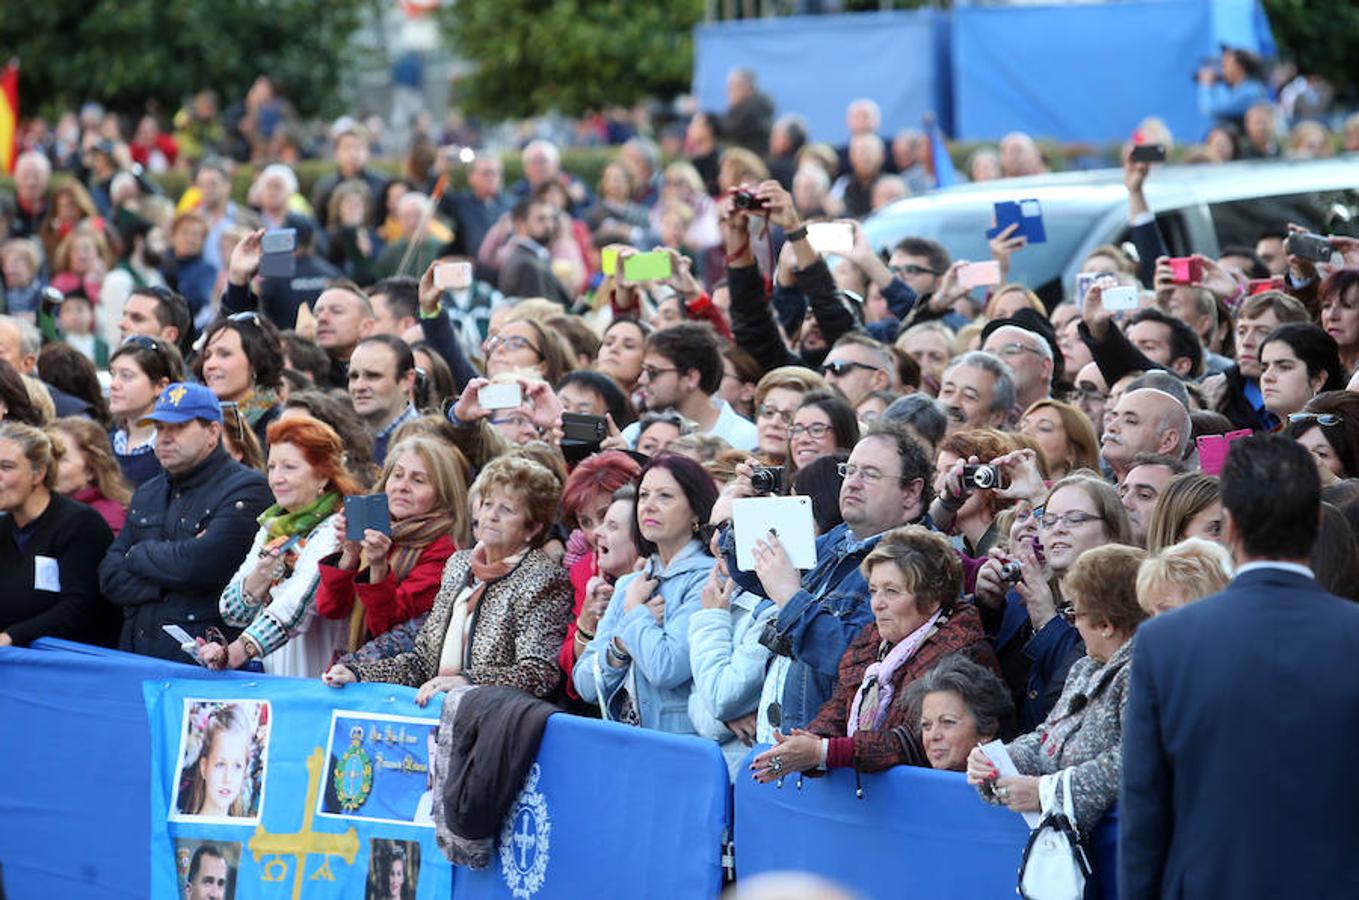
pixel 1327 419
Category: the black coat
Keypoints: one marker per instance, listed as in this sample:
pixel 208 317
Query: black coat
pixel 75 537
pixel 183 540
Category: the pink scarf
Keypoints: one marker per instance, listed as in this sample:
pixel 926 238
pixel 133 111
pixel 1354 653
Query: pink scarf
pixel 874 695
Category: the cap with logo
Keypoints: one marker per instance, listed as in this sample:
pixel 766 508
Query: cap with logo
pixel 183 401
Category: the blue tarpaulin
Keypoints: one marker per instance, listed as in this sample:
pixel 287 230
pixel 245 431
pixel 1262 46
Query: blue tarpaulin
pixel 1070 72
pixel 817 65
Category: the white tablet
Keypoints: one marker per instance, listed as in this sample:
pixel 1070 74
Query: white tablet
pixel 790 518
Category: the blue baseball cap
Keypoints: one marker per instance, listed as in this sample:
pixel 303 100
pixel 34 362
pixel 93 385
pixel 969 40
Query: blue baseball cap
pixel 183 401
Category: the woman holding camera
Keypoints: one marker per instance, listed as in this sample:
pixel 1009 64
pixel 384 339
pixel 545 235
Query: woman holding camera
pixel 1082 736
pixel 1019 605
pixel 965 483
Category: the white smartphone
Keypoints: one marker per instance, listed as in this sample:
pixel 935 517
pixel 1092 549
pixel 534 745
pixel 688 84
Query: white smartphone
pixel 1119 298
pixel 500 396
pixel 185 641
pixel 979 274
pixel 453 276
pixel 831 237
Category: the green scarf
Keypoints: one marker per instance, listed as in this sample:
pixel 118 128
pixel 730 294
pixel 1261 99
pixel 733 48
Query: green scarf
pixel 281 523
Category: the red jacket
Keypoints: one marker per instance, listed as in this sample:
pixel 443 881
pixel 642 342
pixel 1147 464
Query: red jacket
pixel 385 604
pixel 584 569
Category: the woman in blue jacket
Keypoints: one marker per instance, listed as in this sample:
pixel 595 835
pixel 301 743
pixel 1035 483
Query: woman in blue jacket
pixel 637 666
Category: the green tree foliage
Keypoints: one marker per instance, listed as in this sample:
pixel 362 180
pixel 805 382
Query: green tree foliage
pixel 124 52
pixel 1321 36
pixel 532 56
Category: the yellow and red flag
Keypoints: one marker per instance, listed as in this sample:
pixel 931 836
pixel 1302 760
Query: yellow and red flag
pixel 9 116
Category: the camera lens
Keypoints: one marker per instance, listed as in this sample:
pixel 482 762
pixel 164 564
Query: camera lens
pixel 1011 572
pixel 985 477
pixel 766 479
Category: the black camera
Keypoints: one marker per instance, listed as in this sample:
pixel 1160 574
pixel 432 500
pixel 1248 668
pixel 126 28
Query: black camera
pixel 767 479
pixel 1308 246
pixel 983 477
pixel 1010 573
pixel 746 199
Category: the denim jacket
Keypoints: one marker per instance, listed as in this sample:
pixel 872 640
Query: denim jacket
pixel 1049 652
pixel 660 666
pixel 814 633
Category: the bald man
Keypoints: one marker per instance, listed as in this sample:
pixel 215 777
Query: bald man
pixel 1144 421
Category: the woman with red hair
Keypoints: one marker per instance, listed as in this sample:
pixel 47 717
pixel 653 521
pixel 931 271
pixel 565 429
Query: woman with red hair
pixel 271 596
pixel 586 499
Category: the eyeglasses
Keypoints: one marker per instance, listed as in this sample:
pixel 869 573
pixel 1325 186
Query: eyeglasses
pixel 517 421
pixel 510 345
pixel 816 429
pixel 1327 419
pixel 913 270
pixel 650 373
pixel 1015 348
pixel 765 411
pixel 842 367
pixel 248 316
pixel 1022 516
pixel 1083 392
pixel 1071 520
pixel 869 476
pixel 1070 614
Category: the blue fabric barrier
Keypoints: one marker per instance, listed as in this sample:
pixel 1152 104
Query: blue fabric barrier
pixel 1071 72
pixel 816 65
pixel 75 820
pixel 612 811
pixel 916 832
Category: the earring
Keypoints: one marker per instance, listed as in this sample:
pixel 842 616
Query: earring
pixel 696 526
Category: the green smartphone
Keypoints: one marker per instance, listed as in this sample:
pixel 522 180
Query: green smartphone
pixel 653 266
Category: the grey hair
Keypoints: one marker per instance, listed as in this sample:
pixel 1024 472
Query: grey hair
pixel 30 338
pixel 985 695
pixel 1003 399
pixel 1044 348
pixel 33 157
pixel 1163 381
pixel 816 173
pixel 647 149
pixel 920 411
pixel 279 170
pixel 545 146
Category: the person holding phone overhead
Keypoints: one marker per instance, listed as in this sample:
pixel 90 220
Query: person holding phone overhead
pixel 271 595
pixel 503 606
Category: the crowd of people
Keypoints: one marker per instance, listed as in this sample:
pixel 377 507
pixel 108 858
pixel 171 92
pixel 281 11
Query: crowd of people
pixel 1004 494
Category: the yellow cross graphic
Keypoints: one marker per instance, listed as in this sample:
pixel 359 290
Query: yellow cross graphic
pixel 177 394
pixel 304 842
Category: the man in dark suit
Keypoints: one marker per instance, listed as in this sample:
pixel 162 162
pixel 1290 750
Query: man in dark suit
pixel 1241 708
pixel 527 270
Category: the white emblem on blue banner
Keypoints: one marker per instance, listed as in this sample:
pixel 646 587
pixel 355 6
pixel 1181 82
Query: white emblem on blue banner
pixel 525 838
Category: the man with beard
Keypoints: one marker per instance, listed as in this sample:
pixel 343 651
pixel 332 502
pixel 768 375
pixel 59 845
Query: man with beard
pixel 527 271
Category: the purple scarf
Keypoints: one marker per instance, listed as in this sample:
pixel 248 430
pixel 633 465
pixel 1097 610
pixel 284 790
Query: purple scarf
pixel 875 694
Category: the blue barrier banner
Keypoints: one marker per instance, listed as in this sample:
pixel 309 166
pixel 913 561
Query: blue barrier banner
pixel 75 819
pixel 816 65
pixel 915 833
pixel 1091 72
pixel 295 789
pixel 300 790
pixel 613 811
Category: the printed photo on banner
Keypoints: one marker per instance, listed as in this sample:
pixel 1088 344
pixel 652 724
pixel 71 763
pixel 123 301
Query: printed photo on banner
pixel 223 755
pixel 393 870
pixel 378 768
pixel 207 869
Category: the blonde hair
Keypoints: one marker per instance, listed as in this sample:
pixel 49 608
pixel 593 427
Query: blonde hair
pixel 532 483
pixel 1080 434
pixel 40 397
pixel 1195 566
pixel 1013 287
pixel 1185 496
pixel 1103 578
pixel 38 448
pixel 445 467
pixel 792 378
pixel 94 445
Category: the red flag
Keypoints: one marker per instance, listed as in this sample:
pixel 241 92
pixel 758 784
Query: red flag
pixel 9 116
